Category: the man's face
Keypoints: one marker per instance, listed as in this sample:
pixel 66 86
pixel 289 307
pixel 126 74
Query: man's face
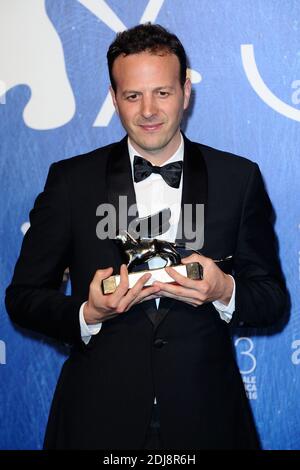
pixel 150 102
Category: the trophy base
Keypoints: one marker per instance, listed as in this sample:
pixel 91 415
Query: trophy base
pixel 190 270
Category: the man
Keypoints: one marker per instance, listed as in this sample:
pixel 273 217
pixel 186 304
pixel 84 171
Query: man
pixel 150 367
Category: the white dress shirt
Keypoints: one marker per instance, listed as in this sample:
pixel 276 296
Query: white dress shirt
pixel 153 194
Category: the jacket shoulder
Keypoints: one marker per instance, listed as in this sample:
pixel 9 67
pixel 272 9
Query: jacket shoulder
pixel 218 156
pixel 215 157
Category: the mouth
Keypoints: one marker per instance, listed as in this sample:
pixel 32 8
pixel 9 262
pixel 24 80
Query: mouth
pixel 151 127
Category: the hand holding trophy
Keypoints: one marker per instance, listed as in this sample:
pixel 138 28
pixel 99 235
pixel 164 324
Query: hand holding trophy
pixel 136 252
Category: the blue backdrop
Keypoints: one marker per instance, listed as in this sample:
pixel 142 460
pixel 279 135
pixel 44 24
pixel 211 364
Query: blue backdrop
pixel 245 68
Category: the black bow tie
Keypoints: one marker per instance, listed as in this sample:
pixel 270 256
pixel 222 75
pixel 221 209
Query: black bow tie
pixel 171 172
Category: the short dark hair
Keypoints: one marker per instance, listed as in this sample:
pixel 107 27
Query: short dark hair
pixel 146 37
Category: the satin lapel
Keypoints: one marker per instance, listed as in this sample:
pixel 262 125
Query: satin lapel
pixel 194 191
pixel 120 183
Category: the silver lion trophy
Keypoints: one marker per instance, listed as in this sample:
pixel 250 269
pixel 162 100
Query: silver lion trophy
pixel 137 251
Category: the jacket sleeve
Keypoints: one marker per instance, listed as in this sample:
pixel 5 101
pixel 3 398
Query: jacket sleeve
pixel 260 288
pixel 33 299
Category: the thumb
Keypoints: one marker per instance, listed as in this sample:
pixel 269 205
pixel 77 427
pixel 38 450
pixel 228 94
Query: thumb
pixel 104 273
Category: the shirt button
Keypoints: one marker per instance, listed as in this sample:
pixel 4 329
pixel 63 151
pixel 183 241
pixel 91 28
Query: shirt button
pixel 159 343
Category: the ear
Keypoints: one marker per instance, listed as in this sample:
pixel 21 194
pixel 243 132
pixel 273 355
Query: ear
pixel 113 95
pixel 187 89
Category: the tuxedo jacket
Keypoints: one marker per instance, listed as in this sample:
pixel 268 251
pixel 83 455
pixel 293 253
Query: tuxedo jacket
pixel 180 354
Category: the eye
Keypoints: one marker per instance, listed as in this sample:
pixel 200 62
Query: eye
pixel 132 97
pixel 163 94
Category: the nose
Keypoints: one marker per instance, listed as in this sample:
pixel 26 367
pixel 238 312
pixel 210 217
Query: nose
pixel 149 108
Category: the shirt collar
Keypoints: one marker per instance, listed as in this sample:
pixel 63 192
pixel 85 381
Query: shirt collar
pixel 176 157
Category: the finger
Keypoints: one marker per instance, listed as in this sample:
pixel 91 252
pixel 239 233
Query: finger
pixel 140 283
pixel 102 274
pixel 96 283
pixel 177 289
pixel 139 288
pixel 123 286
pixel 188 300
pixel 180 279
pixel 149 297
pixel 146 294
pixel 112 300
pixel 133 292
